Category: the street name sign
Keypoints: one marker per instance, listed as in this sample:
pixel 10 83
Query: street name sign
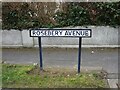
pixel 79 33
pixel 85 33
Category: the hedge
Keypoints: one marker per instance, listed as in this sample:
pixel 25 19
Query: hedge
pixel 74 14
pixel 101 14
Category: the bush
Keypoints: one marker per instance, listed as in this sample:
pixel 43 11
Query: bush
pixel 26 15
pixel 94 13
pixel 21 17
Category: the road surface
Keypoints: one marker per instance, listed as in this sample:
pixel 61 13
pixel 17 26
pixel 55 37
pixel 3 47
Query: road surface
pixel 106 58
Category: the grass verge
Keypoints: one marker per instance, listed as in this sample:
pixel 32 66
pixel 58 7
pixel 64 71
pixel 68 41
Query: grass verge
pixel 29 76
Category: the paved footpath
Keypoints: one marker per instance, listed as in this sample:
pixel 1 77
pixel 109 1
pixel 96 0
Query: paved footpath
pixel 105 58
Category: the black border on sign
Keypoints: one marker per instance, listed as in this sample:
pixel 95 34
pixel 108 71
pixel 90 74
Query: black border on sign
pixel 61 36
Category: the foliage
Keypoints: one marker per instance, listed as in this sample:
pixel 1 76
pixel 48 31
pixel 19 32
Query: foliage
pixel 94 13
pixel 26 15
pixel 19 18
pixel 76 15
pixel 17 76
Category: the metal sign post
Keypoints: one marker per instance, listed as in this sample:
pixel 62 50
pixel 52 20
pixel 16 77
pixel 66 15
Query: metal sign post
pixel 40 52
pixel 79 54
pixel 80 33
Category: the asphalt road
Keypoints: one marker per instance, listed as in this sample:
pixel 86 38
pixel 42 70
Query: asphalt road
pixel 106 58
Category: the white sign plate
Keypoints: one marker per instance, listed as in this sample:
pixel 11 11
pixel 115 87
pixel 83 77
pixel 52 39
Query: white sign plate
pixel 60 33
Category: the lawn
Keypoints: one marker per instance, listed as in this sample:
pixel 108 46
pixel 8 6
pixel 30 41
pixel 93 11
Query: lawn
pixel 29 76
